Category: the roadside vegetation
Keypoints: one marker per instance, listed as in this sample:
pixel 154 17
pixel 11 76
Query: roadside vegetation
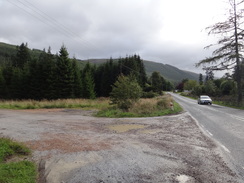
pixel 144 107
pixel 12 168
pixel 223 101
pixel 119 87
pixel 159 106
pixel 223 90
pixel 98 103
pixel 227 55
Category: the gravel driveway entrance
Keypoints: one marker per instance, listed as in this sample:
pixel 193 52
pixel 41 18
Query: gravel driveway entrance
pixel 71 146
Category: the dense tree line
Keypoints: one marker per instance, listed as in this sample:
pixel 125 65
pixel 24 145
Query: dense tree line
pixel 49 76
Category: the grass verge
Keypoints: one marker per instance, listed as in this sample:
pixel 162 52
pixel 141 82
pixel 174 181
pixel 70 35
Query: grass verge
pixel 158 106
pixel 49 104
pixel 223 103
pixel 15 171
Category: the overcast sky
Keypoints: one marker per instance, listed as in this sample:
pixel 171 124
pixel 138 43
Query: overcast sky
pixel 166 31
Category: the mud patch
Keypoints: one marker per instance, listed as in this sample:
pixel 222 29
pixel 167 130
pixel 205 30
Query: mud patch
pixel 67 143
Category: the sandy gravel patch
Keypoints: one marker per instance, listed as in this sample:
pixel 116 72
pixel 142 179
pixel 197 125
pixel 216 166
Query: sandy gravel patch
pixel 71 146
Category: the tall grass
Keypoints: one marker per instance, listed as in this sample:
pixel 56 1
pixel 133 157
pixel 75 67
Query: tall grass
pixel 157 106
pixel 145 108
pixel 48 104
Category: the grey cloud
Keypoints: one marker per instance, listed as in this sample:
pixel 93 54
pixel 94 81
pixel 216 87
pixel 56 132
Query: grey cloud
pixel 97 29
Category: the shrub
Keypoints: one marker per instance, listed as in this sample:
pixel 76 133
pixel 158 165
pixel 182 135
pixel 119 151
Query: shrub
pixel 149 94
pixel 164 103
pixel 125 92
pixel 144 106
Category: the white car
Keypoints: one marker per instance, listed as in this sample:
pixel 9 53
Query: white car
pixel 204 99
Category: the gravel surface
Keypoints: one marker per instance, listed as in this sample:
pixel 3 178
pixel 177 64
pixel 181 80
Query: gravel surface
pixel 71 146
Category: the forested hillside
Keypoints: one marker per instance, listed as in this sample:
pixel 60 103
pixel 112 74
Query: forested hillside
pixel 36 74
pixel 28 74
pixel 169 72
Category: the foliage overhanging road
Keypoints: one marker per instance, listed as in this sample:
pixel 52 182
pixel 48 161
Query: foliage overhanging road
pixel 226 125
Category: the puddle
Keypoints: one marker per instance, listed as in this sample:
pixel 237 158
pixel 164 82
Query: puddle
pixel 125 127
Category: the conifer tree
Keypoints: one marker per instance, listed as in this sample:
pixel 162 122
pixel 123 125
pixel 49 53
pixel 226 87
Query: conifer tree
pixel 77 85
pixel 33 80
pixel 89 86
pixel 88 82
pixel 16 84
pixel 64 74
pixel 133 65
pixel 7 72
pixel 157 82
pixel 47 70
pixel 2 85
pixel 200 79
pixel 22 56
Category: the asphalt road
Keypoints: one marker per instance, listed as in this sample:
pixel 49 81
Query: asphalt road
pixel 223 124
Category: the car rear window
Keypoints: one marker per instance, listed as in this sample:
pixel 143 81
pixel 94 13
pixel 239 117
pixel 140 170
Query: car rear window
pixel 204 97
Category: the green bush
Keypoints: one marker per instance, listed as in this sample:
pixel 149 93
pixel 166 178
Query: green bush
pixel 125 92
pixel 158 106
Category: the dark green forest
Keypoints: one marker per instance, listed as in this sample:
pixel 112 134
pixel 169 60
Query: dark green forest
pixel 35 74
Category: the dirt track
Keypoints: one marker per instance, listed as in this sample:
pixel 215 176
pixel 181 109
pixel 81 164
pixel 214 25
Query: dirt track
pixel 71 146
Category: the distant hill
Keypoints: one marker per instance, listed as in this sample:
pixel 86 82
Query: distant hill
pixel 169 72
pixel 7 51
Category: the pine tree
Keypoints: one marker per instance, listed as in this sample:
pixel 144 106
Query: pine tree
pixel 209 75
pixel 88 82
pixel 157 82
pixel 200 79
pixel 7 72
pixel 64 74
pixel 22 56
pixel 89 86
pixel 2 85
pixel 16 84
pixel 77 85
pixel 133 65
pixel 108 78
pixel 33 79
pixel 47 70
